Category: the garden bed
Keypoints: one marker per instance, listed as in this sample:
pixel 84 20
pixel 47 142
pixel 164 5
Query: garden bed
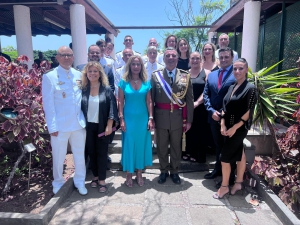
pixel 19 199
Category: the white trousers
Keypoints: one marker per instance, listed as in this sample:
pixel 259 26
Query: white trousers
pixel 59 150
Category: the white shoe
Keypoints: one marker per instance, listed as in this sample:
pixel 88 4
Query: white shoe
pixel 82 190
pixel 55 190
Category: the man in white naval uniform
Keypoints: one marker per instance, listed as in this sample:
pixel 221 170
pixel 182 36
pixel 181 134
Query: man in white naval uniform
pixel 127 53
pixel 223 43
pixel 152 65
pixel 128 42
pixel 62 105
pixel 152 42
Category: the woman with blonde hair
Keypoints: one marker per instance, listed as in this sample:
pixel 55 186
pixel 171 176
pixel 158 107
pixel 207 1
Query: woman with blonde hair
pixel 209 58
pixel 99 107
pixel 136 119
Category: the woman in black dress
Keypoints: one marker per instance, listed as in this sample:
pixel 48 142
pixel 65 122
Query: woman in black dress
pixel 209 58
pixel 197 136
pixel 236 120
pixel 99 108
pixel 183 49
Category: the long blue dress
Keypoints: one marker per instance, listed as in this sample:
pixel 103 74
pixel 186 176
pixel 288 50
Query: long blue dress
pixel 136 140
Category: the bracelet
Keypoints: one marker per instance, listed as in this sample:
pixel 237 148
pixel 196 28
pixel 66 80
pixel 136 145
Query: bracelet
pixel 150 117
pixel 222 116
pixel 121 116
pixel 244 121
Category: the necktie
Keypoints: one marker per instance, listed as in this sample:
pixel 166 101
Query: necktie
pixel 171 78
pixel 220 79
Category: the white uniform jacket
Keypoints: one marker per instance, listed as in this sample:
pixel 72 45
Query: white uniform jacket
pixel 62 100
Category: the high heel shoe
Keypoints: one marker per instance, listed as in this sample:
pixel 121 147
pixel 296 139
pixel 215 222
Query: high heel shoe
pixel 139 178
pixel 128 181
pixel 242 189
pixel 217 196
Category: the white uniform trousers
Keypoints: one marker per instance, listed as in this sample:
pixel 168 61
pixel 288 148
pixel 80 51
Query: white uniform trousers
pixel 59 150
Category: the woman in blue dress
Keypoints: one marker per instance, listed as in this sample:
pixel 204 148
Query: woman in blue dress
pixel 136 119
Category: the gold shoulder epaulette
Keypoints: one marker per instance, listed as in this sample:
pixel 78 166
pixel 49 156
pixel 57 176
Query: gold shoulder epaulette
pixel 158 70
pixel 183 71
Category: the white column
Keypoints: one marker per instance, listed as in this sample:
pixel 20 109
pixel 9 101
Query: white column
pixel 210 35
pixel 23 32
pixel 251 32
pixel 78 32
pixel 112 40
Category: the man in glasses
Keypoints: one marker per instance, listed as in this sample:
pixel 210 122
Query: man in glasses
pixel 128 42
pixel 223 43
pixel 94 54
pixel 65 121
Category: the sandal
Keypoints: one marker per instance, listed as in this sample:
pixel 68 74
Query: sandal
pixel 102 188
pixel 217 196
pixel 193 160
pixel 185 158
pixel 139 179
pixel 94 183
pixel 128 181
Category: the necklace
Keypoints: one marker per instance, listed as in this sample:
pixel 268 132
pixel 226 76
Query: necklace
pixel 95 85
pixel 135 81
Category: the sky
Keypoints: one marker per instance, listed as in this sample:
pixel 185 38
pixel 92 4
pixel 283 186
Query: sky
pixel 120 13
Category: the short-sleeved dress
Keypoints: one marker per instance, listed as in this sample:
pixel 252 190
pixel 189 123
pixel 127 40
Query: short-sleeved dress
pixel 136 140
pixel 234 107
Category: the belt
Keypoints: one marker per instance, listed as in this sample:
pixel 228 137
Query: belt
pixel 167 106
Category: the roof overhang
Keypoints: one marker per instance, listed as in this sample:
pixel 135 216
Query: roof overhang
pixel 52 17
pixel 232 19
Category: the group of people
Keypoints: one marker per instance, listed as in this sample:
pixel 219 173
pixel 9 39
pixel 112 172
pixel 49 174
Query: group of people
pixel 201 96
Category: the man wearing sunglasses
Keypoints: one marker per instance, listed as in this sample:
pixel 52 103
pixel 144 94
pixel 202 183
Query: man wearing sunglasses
pixel 128 42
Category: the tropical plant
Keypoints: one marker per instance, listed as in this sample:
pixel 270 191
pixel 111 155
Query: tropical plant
pixel 278 94
pixel 20 92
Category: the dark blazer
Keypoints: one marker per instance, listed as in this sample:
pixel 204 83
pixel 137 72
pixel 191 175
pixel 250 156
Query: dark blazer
pixel 107 108
pixel 163 118
pixel 213 97
pixel 109 73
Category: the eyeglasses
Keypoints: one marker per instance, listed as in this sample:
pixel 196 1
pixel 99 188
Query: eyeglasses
pixel 223 39
pixel 127 40
pixel 93 53
pixel 66 55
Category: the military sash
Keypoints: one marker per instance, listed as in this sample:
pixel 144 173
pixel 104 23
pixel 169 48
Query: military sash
pixel 168 90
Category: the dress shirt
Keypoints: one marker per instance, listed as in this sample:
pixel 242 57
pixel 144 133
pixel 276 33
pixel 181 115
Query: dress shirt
pixel 150 67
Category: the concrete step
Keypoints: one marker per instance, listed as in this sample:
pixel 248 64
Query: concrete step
pixel 115 152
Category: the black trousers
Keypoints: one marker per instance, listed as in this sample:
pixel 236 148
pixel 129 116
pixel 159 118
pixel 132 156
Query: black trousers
pixel 219 140
pixel 97 150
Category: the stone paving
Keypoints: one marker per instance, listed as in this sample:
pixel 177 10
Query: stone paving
pixel 188 203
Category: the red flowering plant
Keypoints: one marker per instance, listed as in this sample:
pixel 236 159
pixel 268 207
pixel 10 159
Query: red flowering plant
pixel 282 170
pixel 20 92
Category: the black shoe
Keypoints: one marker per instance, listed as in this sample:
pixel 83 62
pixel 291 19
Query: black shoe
pixel 162 178
pixel 213 174
pixel 175 178
pixel 231 182
pixel 108 159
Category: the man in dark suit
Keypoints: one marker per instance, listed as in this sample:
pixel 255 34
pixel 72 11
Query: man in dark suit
pixel 172 115
pixel 215 90
pixel 94 55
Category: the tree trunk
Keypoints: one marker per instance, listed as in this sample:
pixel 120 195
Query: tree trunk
pixel 272 131
pixel 12 173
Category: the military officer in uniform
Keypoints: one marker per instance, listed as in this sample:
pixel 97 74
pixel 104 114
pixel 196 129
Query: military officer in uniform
pixel 128 42
pixel 151 64
pixel 127 53
pixel 61 91
pixel 172 94
pixel 152 42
